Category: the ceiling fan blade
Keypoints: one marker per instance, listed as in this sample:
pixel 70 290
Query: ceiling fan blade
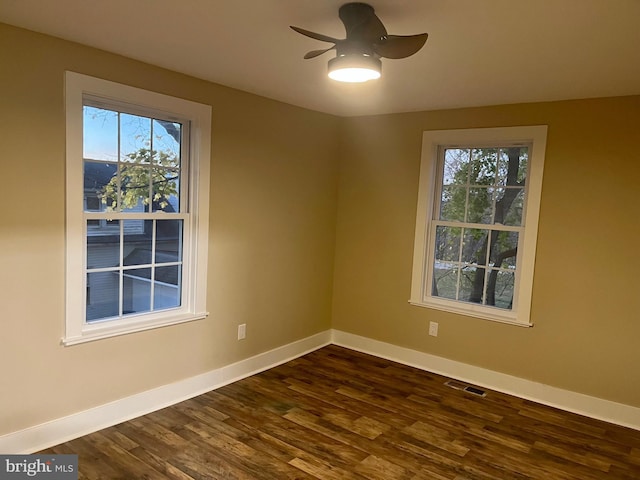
pixel 400 46
pixel 361 22
pixel 316 36
pixel 316 53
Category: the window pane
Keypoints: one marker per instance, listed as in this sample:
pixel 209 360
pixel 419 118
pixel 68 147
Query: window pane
pixel 524 161
pixel 509 206
pixel 512 166
pixel 137 227
pixel 456 166
pixel 166 143
pixel 483 166
pixel 167 289
pixel 474 246
pixel 480 206
pixel 169 241
pixel 448 243
pixel 135 138
pixel 92 204
pixel 504 248
pixel 100 134
pixel 102 295
pixel 445 280
pixel 136 291
pixel 471 284
pixel 137 242
pixel 135 187
pixel 166 190
pixel 97 175
pixel 102 250
pixel 500 289
pixel 453 203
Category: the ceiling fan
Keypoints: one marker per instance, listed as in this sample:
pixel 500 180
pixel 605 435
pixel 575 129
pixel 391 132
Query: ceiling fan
pixel 358 56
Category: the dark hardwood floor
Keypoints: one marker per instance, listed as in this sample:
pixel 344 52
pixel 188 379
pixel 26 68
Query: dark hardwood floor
pixel 339 414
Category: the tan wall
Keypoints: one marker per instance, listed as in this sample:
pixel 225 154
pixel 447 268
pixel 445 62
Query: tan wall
pixel 586 295
pixel 272 235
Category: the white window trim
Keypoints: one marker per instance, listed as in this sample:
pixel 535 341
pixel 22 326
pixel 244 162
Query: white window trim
pixel 77 330
pixel 431 142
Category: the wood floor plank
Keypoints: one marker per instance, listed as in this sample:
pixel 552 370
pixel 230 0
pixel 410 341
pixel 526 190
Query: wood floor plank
pixel 323 470
pixel 376 468
pixel 336 414
pixel 437 437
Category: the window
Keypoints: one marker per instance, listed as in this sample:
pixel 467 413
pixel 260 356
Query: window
pixel 477 220
pixel 137 209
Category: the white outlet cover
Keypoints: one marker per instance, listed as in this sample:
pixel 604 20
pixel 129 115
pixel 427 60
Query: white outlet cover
pixel 242 331
pixel 433 329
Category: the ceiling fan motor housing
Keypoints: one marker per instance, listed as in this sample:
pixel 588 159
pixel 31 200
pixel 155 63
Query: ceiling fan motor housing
pixel 354 47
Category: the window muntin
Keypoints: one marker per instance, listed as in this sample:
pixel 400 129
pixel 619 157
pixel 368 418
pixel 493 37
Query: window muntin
pixel 476 223
pixel 137 209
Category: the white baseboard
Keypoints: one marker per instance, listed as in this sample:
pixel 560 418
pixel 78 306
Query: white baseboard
pixel 593 407
pixel 63 429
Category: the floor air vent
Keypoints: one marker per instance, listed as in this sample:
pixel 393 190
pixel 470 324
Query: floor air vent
pixel 467 388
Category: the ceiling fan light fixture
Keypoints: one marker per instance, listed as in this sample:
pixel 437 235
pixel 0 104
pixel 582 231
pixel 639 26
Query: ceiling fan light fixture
pixel 355 68
pixel 367 41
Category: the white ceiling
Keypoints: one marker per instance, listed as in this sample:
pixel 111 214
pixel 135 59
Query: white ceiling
pixel 479 52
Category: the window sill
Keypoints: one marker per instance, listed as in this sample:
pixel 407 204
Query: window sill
pixel 101 330
pixel 484 313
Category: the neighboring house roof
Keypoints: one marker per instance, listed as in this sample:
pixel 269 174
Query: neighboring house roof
pixel 98 174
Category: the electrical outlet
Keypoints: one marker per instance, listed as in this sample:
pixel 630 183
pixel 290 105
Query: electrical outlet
pixel 433 329
pixel 242 331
